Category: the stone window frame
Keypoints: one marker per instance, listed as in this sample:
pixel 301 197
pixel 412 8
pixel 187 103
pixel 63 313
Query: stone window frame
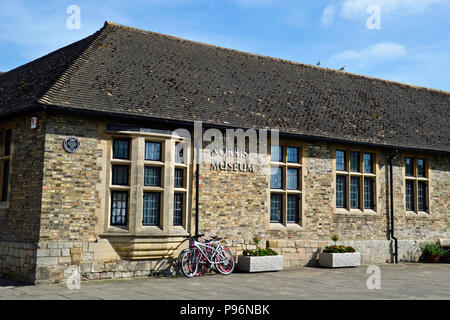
pixel 4 203
pixel 136 187
pixel 184 189
pixel 361 174
pixel 124 188
pixel 285 165
pixel 416 179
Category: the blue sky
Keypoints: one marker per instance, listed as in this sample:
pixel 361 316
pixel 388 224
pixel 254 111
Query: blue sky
pixel 411 46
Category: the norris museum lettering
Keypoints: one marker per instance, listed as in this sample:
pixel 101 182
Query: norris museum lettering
pixel 229 159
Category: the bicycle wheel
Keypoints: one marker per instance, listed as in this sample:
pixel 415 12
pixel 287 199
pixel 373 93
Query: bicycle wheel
pixel 188 261
pixel 225 261
pixel 180 255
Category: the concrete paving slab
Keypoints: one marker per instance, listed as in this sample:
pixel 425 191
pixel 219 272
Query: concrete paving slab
pixel 402 281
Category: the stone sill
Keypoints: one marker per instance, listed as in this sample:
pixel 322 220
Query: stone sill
pixel 356 212
pixel 143 235
pixel 420 214
pixel 288 226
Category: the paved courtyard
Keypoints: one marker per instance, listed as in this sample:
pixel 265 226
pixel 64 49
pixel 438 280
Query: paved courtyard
pixel 402 281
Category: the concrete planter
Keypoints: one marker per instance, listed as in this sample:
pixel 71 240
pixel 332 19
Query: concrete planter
pixel 260 263
pixel 338 260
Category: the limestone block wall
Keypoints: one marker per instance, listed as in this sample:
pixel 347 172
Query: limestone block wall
pixel 303 253
pixel 73 203
pixel 94 261
pixel 233 204
pixel 69 192
pixel 224 192
pixel 56 199
pixel 20 216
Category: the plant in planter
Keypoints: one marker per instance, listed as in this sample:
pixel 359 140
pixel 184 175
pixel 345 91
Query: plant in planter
pixel 335 238
pixel 339 256
pixel 260 259
pixel 338 249
pixel 431 252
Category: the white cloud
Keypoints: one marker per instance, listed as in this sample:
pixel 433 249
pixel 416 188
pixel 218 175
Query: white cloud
pixel 380 52
pixel 355 9
pixel 327 18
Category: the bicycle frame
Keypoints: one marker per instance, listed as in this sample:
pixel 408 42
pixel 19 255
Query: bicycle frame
pixel 202 248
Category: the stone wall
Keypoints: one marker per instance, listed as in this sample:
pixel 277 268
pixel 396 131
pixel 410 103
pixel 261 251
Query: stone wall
pixel 233 204
pixel 95 261
pixel 73 210
pixel 54 220
pixel 223 193
pixel 69 193
pixel 20 219
pixel 305 253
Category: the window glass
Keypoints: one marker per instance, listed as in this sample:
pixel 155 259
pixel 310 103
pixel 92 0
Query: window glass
pixel 354 192
pixel 179 178
pixel 121 149
pixel 368 162
pixel 276 153
pixel 410 195
pixel 153 151
pixel 152 176
pixel 421 168
pixel 7 143
pixel 4 195
pixel 119 207
pixel 354 161
pixel 340 160
pixel 120 175
pixel 341 192
pixel 292 179
pixel 275 207
pixel 292 154
pixel 179 154
pixel 368 193
pixel 421 196
pixel 292 208
pixel 276 177
pixel 409 167
pixel 151 209
pixel 178 209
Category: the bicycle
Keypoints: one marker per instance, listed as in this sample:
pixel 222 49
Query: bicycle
pixel 203 256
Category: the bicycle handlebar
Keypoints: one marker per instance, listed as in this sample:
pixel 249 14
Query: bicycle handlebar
pixel 202 235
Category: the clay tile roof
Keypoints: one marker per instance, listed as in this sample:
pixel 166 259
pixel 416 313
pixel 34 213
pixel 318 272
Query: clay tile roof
pixel 126 71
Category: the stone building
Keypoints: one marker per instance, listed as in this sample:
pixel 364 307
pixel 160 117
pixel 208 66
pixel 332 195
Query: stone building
pixel 92 175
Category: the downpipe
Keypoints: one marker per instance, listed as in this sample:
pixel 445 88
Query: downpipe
pixel 391 182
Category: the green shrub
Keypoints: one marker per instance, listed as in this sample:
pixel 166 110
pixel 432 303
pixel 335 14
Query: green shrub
pixel 335 238
pixel 431 250
pixel 257 240
pixel 338 249
pixel 260 252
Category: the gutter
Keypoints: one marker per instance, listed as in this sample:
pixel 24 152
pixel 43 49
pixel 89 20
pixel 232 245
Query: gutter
pixel 391 188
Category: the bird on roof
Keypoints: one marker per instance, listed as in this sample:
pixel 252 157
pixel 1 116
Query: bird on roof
pixel 342 68
pixel 319 63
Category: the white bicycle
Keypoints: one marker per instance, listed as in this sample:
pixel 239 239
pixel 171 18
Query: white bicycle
pixel 203 256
